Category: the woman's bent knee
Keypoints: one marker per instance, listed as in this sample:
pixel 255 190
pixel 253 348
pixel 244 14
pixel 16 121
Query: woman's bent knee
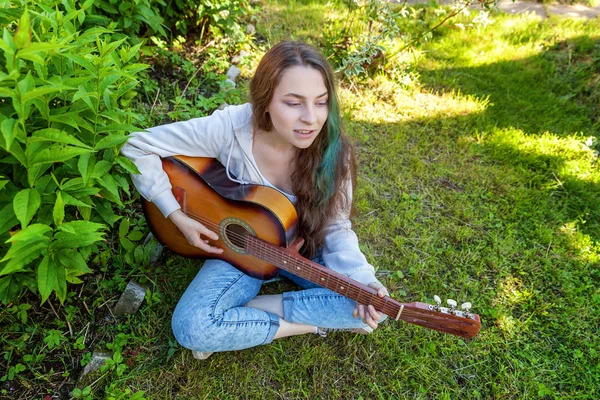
pixel 196 330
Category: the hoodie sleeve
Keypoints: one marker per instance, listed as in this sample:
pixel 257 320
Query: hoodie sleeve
pixel 341 252
pixel 199 137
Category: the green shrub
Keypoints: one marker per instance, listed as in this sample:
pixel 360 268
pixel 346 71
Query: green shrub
pixel 65 99
pixel 145 18
pixel 132 17
pixel 219 17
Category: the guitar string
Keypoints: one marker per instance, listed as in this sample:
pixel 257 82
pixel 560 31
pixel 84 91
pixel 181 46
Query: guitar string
pixel 275 254
pixel 374 298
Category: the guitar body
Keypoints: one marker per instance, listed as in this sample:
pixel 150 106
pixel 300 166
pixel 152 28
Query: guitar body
pixel 202 188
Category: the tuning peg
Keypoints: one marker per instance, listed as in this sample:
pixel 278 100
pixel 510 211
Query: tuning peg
pixel 466 307
pixel 452 304
pixel 438 303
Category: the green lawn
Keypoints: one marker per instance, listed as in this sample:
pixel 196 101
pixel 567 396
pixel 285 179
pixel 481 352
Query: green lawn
pixel 475 184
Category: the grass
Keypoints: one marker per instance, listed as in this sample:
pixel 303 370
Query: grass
pixel 475 183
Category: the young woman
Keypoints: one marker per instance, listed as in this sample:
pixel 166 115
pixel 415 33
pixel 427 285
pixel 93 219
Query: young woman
pixel 288 137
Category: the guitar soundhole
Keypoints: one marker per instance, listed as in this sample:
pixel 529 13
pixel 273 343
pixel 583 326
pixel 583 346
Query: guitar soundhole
pixel 235 233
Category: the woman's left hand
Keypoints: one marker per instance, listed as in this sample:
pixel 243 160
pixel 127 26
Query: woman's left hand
pixel 368 313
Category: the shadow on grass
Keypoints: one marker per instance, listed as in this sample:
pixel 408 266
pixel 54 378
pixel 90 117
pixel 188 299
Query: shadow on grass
pixel 546 105
pixel 555 91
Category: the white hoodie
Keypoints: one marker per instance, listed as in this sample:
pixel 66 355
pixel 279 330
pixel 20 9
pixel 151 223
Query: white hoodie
pixel 227 136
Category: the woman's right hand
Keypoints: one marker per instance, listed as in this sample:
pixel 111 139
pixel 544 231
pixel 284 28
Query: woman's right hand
pixel 194 232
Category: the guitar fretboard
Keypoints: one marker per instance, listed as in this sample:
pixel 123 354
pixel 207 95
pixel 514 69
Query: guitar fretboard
pixel 320 275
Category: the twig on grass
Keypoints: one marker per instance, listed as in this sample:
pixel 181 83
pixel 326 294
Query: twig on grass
pixel 69 325
pixel 468 366
pixel 155 100
pixel 53 310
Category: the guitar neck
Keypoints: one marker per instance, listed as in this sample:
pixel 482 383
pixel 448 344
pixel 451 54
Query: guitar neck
pixel 322 276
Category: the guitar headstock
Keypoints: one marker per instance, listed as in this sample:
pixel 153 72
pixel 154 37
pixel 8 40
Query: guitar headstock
pixel 449 319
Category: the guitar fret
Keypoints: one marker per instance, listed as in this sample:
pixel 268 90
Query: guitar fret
pixel 298 268
pixel 316 275
pixel 311 271
pixel 385 305
pixel 321 278
pixel 353 295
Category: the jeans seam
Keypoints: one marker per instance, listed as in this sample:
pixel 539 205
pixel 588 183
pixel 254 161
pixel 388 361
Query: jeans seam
pixel 214 305
pixel 324 296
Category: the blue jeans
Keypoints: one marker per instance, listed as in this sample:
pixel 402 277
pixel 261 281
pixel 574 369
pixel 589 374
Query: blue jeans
pixel 211 316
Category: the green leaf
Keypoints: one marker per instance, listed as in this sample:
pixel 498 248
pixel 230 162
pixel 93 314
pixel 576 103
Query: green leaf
pixel 41 91
pixel 121 182
pixel 57 153
pixel 8 131
pixel 83 62
pixel 76 234
pixel 9 289
pixel 42 47
pixel 135 236
pixel 112 191
pixel 59 210
pixel 26 203
pixel 127 165
pixel 126 243
pixel 124 227
pixel 88 191
pixel 73 184
pixel 86 213
pixel 22 253
pixel 35 172
pixel 46 277
pixel 101 168
pixel 8 218
pixel 119 127
pixel 23 35
pixel 115 139
pixel 26 84
pixel 32 57
pixel 56 135
pixel 107 81
pixel 105 210
pixel 86 165
pixel 60 284
pixel 19 154
pixel 73 262
pixel 6 92
pixel 72 201
pixel 34 231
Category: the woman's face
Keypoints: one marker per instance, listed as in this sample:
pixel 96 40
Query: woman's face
pixel 298 108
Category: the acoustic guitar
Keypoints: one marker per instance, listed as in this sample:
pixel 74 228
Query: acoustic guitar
pixel 257 228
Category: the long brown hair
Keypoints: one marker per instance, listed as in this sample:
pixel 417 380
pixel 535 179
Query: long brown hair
pixel 322 171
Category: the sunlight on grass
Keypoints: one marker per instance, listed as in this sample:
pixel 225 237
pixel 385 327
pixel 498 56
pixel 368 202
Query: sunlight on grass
pixel 382 101
pixel 304 16
pixel 585 248
pixel 511 292
pixel 564 157
pixel 507 323
pixel 507 38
